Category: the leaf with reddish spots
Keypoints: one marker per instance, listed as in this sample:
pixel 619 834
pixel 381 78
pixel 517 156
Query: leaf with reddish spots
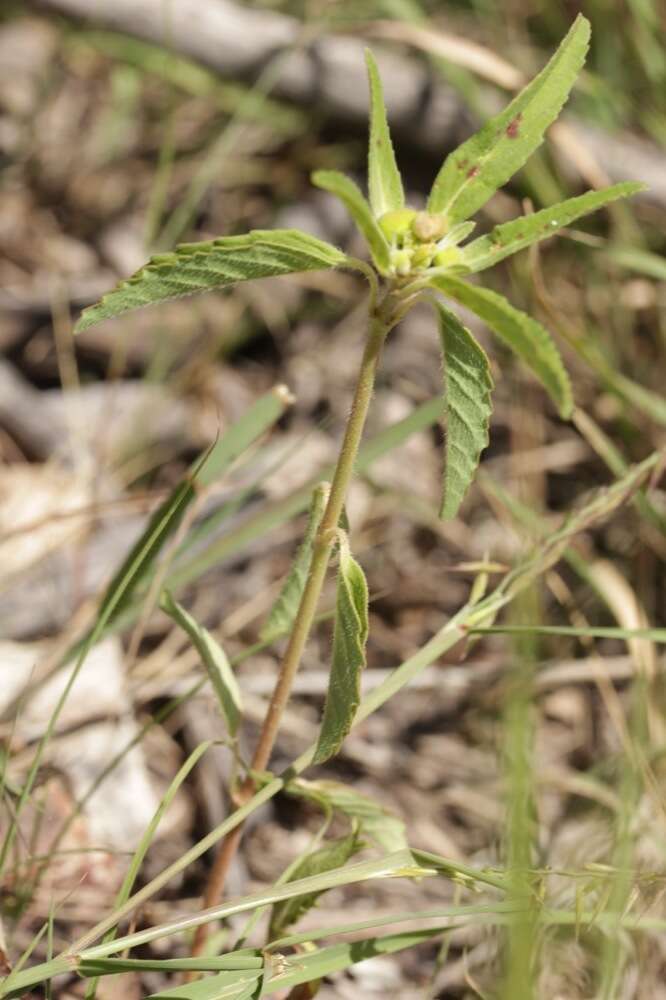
pixel 513 128
pixel 507 141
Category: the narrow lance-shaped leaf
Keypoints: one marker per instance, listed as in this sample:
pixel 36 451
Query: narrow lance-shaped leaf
pixel 350 635
pixel 384 181
pixel 468 407
pixel 472 173
pixel 512 236
pixel 199 267
pixel 283 612
pixel 214 659
pixel 351 196
pixel 375 822
pixel 330 856
pixel 524 335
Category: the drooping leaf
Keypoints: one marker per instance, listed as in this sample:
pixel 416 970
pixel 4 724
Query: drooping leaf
pixel 198 267
pixel 384 181
pixel 214 659
pixel 350 634
pixel 283 612
pixel 468 407
pixel 524 335
pixel 375 822
pixel 472 173
pixel 330 856
pixel 350 195
pixel 512 236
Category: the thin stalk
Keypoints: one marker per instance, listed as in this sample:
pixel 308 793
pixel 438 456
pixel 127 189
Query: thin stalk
pixel 382 318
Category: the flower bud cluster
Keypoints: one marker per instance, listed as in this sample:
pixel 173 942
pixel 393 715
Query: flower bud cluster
pixel 420 241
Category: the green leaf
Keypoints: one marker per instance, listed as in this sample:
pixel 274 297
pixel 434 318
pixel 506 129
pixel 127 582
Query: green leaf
pixel 350 195
pixel 241 985
pixel 375 822
pixel 350 634
pixel 512 236
pixel 198 267
pixel 468 407
pixel 524 335
pixel 214 659
pixel 384 181
pixel 283 612
pixel 330 856
pixel 472 173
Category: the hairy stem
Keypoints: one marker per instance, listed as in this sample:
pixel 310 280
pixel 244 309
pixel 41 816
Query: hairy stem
pixel 382 318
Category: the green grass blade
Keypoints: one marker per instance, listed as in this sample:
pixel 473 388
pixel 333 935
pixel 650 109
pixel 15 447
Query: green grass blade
pixel 397 864
pixel 338 957
pixel 212 464
pixel 199 267
pixel 146 840
pixel 589 632
pixel 489 159
pixel 525 336
pixel 331 855
pixel 283 613
pixel 384 181
pixel 224 986
pixel 350 634
pixel 468 407
pixel 350 195
pixel 512 236
pixel 221 676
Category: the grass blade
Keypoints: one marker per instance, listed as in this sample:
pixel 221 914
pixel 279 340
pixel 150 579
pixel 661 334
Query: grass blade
pixel 332 855
pixel 221 676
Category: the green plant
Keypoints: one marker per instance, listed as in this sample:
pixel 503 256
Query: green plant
pixel 415 255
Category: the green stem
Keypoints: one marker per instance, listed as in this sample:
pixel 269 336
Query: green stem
pixel 382 318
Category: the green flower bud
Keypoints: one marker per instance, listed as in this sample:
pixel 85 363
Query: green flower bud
pixel 402 262
pixel 427 227
pixel 448 257
pixel 396 223
pixel 423 254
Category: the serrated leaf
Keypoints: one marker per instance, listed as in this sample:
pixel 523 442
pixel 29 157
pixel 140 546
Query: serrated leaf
pixel 524 335
pixel 468 407
pixel 330 856
pixel 199 267
pixel 285 608
pixel 351 196
pixel 214 659
pixel 350 634
pixel 512 236
pixel 472 173
pixel 384 181
pixel 375 822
